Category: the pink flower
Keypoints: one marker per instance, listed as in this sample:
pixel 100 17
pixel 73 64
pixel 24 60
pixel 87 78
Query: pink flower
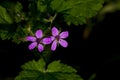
pixel 58 38
pixel 38 41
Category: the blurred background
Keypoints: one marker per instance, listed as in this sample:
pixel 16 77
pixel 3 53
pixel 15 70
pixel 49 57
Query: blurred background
pixel 94 48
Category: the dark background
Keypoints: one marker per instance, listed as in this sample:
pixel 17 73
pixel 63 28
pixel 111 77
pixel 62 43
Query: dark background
pixel 99 54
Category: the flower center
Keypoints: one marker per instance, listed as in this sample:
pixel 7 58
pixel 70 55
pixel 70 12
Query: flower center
pixel 57 37
pixel 38 40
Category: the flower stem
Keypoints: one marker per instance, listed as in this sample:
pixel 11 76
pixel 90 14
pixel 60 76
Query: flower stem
pixel 53 18
pixel 29 29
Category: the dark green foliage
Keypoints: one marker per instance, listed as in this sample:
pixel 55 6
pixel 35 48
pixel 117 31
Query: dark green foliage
pixel 11 17
pixel 41 6
pixel 17 22
pixel 14 9
pixel 36 70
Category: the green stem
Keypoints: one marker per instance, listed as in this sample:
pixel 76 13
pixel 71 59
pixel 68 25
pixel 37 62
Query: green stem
pixel 29 29
pixel 53 18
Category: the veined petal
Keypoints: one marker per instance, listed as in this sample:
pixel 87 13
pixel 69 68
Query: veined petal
pixel 63 43
pixel 54 45
pixel 47 40
pixel 40 47
pixel 30 38
pixel 39 34
pixel 64 34
pixel 55 31
pixel 32 45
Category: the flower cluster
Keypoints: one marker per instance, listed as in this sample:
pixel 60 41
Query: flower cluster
pixel 56 38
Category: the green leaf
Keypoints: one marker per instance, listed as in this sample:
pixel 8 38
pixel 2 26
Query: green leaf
pixel 56 66
pixel 56 5
pixel 33 65
pixel 18 7
pixel 4 16
pixel 40 6
pixel 4 34
pixel 36 70
pixel 77 11
pixel 11 25
pixel 14 9
pixel 19 14
pixel 20 34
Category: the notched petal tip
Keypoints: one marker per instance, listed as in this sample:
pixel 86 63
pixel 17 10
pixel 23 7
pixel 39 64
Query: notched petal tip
pixel 39 33
pixel 55 31
pixel 64 34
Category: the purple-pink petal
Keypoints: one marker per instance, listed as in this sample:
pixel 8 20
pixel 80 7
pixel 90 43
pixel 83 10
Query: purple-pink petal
pixel 55 31
pixel 39 34
pixel 47 40
pixel 32 45
pixel 64 34
pixel 30 38
pixel 40 47
pixel 63 43
pixel 52 38
pixel 54 45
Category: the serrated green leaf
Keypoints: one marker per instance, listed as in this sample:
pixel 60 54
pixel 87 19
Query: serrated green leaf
pixel 55 4
pixel 35 70
pixel 28 75
pixel 77 11
pixel 33 65
pixel 56 66
pixel 4 16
